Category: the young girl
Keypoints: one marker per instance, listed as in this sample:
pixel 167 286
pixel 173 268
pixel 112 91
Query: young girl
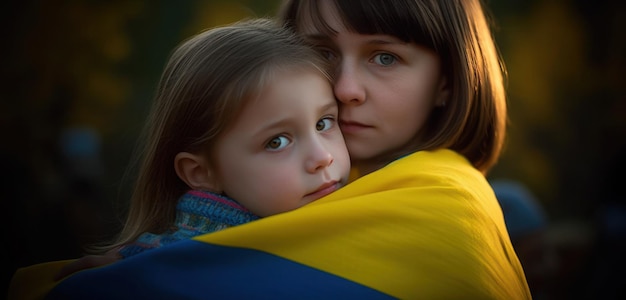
pixel 243 126
pixel 245 119
pixel 422 108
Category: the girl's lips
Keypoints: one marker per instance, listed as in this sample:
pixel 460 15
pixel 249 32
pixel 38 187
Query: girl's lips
pixel 324 190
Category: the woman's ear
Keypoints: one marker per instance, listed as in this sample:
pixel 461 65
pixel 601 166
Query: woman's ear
pixel 443 92
pixel 196 172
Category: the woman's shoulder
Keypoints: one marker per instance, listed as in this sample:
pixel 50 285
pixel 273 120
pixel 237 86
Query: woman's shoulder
pixel 441 171
pixel 444 177
pixel 435 159
pixel 439 167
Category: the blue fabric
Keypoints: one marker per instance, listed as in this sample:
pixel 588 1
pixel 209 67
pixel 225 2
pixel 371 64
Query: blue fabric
pixel 179 271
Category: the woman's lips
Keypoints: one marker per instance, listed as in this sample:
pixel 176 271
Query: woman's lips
pixel 352 127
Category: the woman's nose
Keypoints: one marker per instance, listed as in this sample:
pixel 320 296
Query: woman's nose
pixel 348 87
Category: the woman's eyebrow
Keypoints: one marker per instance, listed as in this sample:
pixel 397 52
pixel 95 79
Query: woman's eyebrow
pixel 317 37
pixel 375 40
pixel 385 40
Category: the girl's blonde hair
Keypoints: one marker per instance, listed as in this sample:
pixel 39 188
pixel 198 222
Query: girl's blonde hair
pixel 205 84
pixel 473 120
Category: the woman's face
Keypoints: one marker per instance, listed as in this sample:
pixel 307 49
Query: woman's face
pixel 386 89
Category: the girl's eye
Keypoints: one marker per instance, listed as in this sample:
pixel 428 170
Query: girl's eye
pixel 277 143
pixel 384 59
pixel 324 124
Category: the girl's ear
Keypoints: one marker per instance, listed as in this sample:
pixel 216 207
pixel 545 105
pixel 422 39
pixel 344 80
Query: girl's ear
pixel 196 172
pixel 443 92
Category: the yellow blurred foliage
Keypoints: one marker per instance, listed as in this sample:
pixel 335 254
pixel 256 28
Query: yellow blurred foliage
pixel 75 48
pixel 210 14
pixel 546 54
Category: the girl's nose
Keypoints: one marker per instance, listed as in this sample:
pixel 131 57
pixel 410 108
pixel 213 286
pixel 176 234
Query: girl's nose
pixel 319 157
pixel 348 87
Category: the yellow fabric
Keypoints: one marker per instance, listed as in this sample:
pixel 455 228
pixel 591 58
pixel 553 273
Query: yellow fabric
pixel 34 282
pixel 426 226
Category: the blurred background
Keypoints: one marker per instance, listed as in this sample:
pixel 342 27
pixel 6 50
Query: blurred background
pixel 78 77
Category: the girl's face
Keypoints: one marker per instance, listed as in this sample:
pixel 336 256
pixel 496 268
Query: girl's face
pixel 386 89
pixel 285 149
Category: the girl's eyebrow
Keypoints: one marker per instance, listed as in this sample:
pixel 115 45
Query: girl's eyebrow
pixel 290 120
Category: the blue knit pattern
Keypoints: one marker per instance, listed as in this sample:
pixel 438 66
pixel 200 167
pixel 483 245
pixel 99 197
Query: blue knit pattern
pixel 197 212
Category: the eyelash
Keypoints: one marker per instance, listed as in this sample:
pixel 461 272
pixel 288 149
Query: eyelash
pixel 394 57
pixel 332 120
pixel 327 53
pixel 281 137
pixel 331 56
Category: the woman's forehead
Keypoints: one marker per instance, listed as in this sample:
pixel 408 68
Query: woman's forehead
pixel 317 18
pixel 328 17
pixel 324 18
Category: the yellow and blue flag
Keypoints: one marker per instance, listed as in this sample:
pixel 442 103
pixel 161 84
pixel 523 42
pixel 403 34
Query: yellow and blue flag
pixel 426 226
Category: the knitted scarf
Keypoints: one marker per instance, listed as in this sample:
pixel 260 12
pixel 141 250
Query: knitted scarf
pixel 197 212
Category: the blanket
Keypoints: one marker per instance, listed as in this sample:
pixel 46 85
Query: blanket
pixel 426 226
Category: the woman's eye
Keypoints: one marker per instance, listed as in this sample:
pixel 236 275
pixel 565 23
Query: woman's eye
pixel 327 54
pixel 384 59
pixel 277 143
pixel 324 124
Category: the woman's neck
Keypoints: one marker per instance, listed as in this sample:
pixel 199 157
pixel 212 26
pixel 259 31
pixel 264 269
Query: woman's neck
pixel 367 166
